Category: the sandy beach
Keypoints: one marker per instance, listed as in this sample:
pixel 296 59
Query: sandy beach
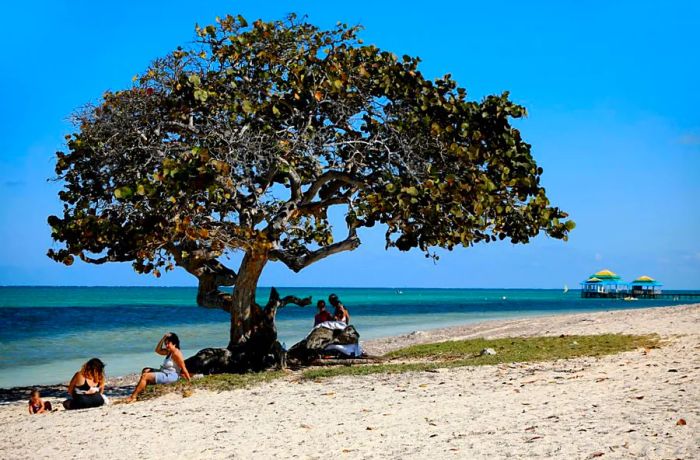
pixel 639 404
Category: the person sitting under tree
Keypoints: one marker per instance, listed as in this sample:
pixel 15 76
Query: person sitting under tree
pixel 323 315
pixel 341 313
pixel 173 366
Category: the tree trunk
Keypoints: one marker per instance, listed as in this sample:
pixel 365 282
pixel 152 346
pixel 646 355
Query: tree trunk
pixel 253 341
pixel 243 308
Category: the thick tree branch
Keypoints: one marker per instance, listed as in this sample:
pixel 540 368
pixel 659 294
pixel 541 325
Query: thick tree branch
pixel 304 257
pixel 286 300
pixel 211 274
pixel 295 184
pixel 222 275
pixel 326 178
pixel 298 301
pixel 290 207
pixel 213 298
pixel 201 262
pixel 314 206
pixel 275 302
pixel 102 260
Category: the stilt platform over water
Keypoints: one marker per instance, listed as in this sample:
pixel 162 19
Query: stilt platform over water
pixel 606 284
pixel 644 295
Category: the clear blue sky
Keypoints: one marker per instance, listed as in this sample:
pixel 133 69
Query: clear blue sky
pixel 611 89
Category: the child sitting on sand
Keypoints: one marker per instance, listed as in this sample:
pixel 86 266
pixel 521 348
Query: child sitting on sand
pixel 37 405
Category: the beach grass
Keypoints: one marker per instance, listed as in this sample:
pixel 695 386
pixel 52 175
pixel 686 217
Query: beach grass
pixel 218 382
pixel 523 349
pixel 460 353
pixel 432 356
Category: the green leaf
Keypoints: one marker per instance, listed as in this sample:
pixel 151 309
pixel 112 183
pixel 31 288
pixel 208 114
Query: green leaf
pixel 201 95
pixel 123 193
pixel 412 191
pixel 195 80
pixel 450 165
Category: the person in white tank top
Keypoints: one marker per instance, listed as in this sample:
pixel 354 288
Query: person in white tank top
pixel 173 366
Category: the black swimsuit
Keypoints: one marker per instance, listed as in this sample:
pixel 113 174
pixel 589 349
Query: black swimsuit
pixel 81 400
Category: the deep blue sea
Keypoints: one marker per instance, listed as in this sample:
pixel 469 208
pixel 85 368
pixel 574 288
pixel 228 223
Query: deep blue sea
pixel 46 333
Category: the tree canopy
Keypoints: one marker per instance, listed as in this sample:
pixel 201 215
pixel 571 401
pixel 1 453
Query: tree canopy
pixel 244 140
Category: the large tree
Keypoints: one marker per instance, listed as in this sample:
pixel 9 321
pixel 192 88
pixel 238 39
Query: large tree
pixel 244 140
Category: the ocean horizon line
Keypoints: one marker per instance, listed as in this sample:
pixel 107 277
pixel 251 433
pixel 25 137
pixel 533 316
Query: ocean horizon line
pixel 266 287
pixel 103 286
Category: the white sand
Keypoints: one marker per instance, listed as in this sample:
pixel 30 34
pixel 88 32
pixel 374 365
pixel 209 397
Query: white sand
pixel 622 406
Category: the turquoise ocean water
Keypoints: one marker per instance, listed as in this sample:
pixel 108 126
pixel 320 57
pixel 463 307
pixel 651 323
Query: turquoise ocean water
pixel 46 333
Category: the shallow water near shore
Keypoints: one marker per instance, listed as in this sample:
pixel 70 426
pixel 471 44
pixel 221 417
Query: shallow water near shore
pixel 46 333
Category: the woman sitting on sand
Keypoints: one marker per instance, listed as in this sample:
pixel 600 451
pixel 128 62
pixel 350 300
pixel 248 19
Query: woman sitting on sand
pixel 173 366
pixel 87 386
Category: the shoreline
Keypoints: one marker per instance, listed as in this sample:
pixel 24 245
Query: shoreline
pixel 641 403
pixel 122 385
pixel 75 334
